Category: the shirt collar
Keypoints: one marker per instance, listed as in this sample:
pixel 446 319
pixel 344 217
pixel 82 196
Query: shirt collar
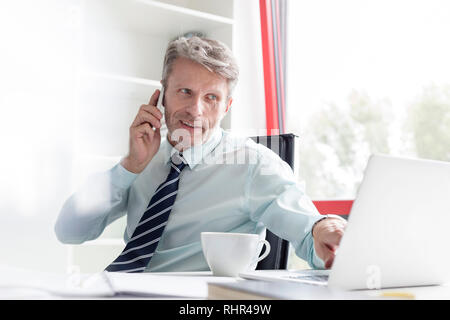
pixel 195 154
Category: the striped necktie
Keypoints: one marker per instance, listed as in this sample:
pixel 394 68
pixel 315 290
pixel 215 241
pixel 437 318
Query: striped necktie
pixel 139 250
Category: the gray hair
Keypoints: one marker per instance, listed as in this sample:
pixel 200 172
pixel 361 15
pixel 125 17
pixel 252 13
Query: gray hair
pixel 211 54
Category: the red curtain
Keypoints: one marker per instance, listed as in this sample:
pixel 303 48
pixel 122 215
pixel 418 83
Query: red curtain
pixel 273 21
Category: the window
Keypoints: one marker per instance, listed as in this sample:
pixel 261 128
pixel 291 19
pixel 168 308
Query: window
pixel 366 77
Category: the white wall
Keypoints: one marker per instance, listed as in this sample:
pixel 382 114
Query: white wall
pixel 248 109
pixel 37 63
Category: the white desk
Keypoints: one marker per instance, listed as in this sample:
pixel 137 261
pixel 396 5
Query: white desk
pixel 25 284
pixel 28 284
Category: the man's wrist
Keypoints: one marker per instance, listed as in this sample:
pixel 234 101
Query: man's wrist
pixel 129 165
pixel 121 177
pixel 324 217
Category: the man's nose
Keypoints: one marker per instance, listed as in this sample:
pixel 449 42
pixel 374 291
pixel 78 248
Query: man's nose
pixel 195 108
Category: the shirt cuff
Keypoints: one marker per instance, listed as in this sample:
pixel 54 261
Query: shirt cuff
pixel 317 263
pixel 121 177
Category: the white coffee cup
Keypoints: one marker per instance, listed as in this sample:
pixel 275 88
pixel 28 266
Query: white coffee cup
pixel 228 254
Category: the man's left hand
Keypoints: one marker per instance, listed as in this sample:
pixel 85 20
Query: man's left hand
pixel 327 235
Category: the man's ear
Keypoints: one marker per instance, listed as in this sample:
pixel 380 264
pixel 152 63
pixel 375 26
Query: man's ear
pixel 230 101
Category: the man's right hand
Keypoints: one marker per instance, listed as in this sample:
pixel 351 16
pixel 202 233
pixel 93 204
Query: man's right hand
pixel 144 141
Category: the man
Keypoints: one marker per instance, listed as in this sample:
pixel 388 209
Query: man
pixel 175 187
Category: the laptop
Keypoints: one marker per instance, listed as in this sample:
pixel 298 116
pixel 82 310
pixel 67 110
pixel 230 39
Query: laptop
pixel 398 230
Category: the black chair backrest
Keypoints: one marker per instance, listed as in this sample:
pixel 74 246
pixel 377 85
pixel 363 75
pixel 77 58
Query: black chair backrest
pixel 283 145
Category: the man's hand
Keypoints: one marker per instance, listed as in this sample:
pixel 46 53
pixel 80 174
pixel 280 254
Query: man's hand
pixel 144 141
pixel 327 235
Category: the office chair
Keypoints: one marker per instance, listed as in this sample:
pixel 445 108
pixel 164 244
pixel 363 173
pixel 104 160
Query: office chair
pixel 283 145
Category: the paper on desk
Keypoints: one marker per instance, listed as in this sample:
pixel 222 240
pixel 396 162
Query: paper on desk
pixel 106 284
pixel 161 285
pixel 73 285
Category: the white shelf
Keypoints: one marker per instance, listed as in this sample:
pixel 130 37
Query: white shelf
pixel 96 84
pixel 122 78
pixel 105 242
pixel 97 158
pixel 186 11
pixel 153 18
pixel 215 7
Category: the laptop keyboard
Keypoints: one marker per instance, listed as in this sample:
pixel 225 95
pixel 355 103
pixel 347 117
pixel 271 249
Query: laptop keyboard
pixel 320 278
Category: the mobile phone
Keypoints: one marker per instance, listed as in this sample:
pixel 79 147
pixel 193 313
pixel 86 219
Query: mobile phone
pixel 160 106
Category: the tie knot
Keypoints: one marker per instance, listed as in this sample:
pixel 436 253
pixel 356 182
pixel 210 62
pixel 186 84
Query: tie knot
pixel 178 161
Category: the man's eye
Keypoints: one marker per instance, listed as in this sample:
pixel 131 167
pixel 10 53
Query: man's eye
pixel 212 97
pixel 185 91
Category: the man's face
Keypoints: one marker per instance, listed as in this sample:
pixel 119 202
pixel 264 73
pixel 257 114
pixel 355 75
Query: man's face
pixel 195 103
